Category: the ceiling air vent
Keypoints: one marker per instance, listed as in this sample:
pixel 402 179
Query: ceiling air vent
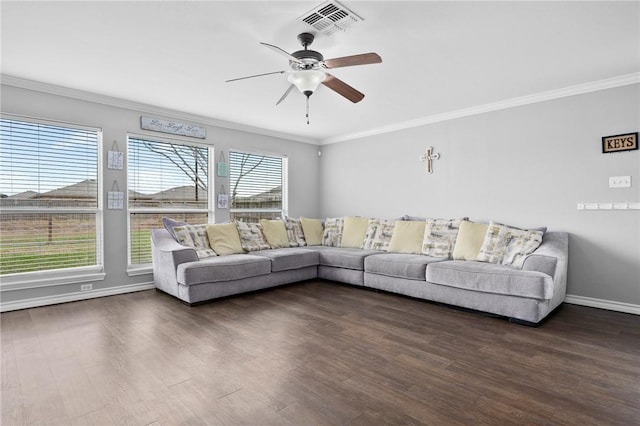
pixel 329 17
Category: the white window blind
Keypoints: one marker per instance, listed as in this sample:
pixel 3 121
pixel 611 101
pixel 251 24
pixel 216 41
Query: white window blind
pixel 165 178
pixel 49 218
pixel 258 186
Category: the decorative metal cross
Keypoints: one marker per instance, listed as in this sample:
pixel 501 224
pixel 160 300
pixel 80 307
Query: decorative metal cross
pixel 429 157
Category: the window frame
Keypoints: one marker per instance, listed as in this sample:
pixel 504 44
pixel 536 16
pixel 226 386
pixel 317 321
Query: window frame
pixel 284 211
pixel 63 276
pixel 144 268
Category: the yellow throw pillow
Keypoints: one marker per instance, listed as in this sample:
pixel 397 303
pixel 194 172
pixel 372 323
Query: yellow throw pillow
pixel 469 241
pixel 275 233
pixel 354 230
pixel 407 237
pixel 312 229
pixel 224 238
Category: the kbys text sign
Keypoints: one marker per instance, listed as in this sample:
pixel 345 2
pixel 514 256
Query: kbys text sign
pixel 617 143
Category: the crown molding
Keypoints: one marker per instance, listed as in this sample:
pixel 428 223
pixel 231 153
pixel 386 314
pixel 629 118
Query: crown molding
pixel 22 83
pixel 579 89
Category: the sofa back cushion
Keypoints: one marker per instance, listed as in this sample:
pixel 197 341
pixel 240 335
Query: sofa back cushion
pixel 224 238
pixel 274 233
pixel 312 229
pixel 407 237
pixel 354 231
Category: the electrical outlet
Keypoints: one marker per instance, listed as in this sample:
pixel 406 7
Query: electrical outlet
pixel 619 181
pixel 86 287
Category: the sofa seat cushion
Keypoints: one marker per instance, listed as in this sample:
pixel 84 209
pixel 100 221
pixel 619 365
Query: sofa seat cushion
pixel 410 266
pixel 223 268
pixel 342 257
pixel 285 259
pixel 491 278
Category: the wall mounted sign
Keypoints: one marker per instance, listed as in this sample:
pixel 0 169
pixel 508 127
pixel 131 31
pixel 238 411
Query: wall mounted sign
pixel 223 198
pixel 222 165
pixel 173 127
pixel 115 159
pixel 115 198
pixel 618 143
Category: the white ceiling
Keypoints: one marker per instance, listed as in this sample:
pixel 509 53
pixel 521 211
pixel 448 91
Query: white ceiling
pixel 438 57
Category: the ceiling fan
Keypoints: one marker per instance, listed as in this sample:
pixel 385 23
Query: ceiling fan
pixel 307 70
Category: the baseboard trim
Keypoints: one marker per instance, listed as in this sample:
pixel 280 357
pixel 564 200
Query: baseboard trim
pixel 73 297
pixel 610 305
pixel 35 302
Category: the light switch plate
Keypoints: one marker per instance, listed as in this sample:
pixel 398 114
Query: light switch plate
pixel 619 181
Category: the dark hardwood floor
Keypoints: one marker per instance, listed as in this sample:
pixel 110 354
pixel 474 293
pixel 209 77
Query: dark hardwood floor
pixel 314 353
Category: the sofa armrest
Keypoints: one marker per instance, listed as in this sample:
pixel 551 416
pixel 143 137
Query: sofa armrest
pixel 167 254
pixel 540 263
pixel 165 244
pixel 552 258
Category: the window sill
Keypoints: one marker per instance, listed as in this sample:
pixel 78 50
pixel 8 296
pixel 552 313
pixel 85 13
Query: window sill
pixel 134 271
pixel 51 278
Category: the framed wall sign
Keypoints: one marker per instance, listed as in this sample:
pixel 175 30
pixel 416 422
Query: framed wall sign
pixel 173 127
pixel 223 198
pixel 619 143
pixel 222 165
pixel 115 158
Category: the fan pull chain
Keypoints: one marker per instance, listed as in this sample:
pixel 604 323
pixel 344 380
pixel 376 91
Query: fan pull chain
pixel 307 109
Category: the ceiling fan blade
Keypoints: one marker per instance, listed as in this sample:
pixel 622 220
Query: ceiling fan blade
pixel 349 61
pixel 256 75
pixel 342 88
pixel 282 52
pixel 285 94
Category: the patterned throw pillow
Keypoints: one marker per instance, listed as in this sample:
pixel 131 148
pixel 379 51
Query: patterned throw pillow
pixel 440 237
pixel 378 234
pixel 507 245
pixel 332 235
pixel 294 232
pixel 251 237
pixel 194 236
pixel 169 224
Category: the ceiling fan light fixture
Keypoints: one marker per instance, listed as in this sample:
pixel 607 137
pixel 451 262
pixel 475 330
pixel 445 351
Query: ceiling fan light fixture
pixel 307 81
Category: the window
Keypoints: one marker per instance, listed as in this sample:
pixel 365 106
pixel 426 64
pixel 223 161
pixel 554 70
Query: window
pixel 165 178
pixel 258 186
pixel 51 216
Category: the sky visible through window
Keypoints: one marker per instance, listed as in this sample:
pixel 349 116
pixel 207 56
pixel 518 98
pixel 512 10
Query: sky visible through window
pixel 40 158
pixel 37 158
pixel 154 167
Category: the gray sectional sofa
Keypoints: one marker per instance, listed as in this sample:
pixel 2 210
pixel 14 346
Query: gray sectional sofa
pixel 525 295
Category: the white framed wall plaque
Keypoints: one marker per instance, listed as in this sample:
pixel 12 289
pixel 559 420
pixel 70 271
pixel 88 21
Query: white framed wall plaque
pixel 173 127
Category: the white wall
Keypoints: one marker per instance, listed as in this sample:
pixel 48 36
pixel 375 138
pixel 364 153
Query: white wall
pixel 115 123
pixel 526 166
